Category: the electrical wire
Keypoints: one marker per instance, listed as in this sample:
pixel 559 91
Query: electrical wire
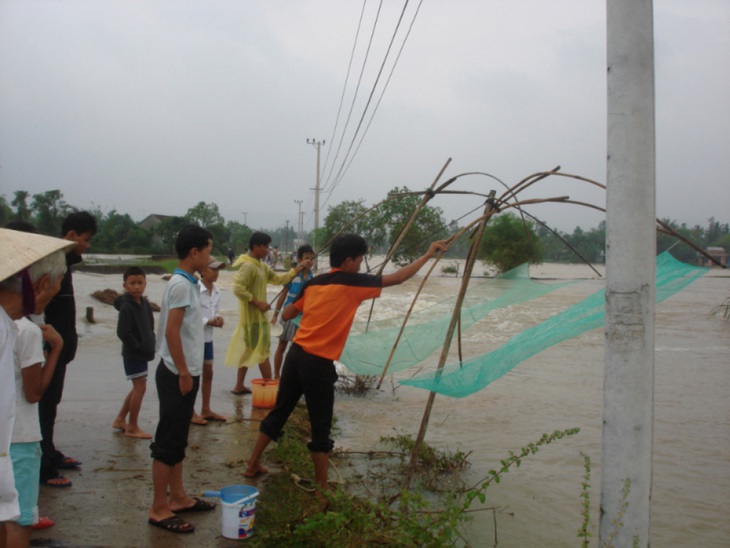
pixel 375 110
pixel 357 88
pixel 372 92
pixel 344 87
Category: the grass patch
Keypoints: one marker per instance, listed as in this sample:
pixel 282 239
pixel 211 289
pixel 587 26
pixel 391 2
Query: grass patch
pixel 370 507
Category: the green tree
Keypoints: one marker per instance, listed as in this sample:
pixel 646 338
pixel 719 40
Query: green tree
pixel 206 215
pixel 6 214
pixel 165 234
pixel 350 216
pixel 392 216
pixel 20 203
pixel 239 234
pixel 508 242
pixel 50 209
pixel 118 233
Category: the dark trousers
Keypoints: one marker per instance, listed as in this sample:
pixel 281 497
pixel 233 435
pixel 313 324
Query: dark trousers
pixel 315 378
pixel 47 409
pixel 176 410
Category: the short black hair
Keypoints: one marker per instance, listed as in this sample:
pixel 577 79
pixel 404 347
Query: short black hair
pixel 258 238
pixel 347 245
pixel 80 222
pixel 134 271
pixel 22 226
pixel 306 248
pixel 189 237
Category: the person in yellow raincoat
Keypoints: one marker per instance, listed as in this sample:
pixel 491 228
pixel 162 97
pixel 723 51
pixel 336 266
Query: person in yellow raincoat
pixel 251 341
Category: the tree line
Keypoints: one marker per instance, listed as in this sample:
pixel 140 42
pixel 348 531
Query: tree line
pixel 507 242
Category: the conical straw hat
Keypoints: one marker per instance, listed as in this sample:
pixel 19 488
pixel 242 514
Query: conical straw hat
pixel 19 250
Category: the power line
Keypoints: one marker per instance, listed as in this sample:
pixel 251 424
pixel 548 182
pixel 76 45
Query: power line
pixel 375 110
pixel 344 87
pixel 345 162
pixel 354 97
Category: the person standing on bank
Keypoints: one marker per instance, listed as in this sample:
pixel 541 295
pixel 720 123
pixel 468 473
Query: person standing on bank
pixel 78 227
pixel 328 304
pixel 251 341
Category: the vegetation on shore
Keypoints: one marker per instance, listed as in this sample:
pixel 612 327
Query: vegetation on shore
pixel 513 241
pixel 366 504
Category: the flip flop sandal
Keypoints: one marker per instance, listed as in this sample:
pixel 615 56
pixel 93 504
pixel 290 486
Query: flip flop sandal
pixel 245 390
pixel 173 524
pixel 68 462
pixel 199 506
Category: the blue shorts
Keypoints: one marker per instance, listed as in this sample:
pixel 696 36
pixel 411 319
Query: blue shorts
pixel 26 459
pixel 134 368
pixel 208 352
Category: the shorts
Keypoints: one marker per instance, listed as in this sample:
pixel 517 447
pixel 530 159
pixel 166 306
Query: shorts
pixel 134 368
pixel 315 378
pixel 289 330
pixel 26 459
pixel 176 410
pixel 208 352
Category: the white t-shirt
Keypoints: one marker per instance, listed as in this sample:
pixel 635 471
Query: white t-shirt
pixel 9 510
pixel 209 306
pixel 181 292
pixel 28 351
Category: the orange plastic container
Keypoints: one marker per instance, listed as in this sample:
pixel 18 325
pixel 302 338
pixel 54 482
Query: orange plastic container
pixel 264 393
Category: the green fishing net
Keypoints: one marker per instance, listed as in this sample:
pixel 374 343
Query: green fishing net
pixel 370 344
pixel 459 380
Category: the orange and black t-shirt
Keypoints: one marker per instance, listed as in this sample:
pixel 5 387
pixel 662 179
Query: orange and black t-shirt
pixel 329 303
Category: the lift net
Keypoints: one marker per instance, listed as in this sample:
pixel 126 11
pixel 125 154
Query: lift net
pixel 369 345
pixel 459 380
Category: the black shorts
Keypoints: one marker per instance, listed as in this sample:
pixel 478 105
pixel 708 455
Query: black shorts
pixel 176 410
pixel 315 377
pixel 134 368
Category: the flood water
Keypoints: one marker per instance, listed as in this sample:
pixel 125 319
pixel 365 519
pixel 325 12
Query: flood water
pixel 537 504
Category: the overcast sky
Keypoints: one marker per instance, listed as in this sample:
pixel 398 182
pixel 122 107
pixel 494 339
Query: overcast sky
pixel 153 106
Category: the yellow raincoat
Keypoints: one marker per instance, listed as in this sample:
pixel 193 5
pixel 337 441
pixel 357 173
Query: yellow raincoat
pixel 251 341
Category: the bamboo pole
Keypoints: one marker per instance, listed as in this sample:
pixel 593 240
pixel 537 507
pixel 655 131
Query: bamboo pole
pixel 468 268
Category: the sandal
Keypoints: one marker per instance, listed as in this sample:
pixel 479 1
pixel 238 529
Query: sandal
pixel 242 391
pixel 173 524
pixel 68 462
pixel 199 506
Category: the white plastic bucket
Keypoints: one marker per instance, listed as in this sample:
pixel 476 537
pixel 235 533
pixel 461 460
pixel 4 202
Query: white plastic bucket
pixel 238 503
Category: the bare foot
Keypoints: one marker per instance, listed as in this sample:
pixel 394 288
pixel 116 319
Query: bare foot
pixel 119 424
pixel 137 433
pixel 197 419
pixel 254 470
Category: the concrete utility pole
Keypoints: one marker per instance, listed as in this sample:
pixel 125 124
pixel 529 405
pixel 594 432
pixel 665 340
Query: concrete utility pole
pixel 628 405
pixel 286 238
pixel 299 222
pixel 317 145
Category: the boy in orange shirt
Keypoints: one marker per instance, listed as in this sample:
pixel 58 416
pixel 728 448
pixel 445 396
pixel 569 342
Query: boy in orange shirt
pixel 329 303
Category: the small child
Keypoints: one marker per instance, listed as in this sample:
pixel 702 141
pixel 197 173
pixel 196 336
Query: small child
pixel 33 373
pixel 136 329
pixel 210 298
pixel 305 254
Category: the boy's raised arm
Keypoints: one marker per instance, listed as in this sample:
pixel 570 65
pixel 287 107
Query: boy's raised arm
pixel 403 274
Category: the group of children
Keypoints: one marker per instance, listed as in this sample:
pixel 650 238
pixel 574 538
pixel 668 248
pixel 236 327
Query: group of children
pixel 34 352
pixel 188 315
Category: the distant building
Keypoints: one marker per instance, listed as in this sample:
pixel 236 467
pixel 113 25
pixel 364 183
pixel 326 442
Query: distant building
pixel 717 253
pixel 151 221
